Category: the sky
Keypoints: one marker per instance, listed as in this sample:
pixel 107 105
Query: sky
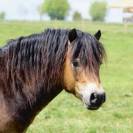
pixel 20 10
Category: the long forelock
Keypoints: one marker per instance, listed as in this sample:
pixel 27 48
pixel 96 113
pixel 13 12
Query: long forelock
pixel 91 52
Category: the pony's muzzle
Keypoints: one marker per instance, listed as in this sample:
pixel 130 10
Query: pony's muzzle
pixel 92 96
pixel 96 100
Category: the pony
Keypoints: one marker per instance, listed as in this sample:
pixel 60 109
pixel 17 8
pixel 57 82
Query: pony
pixel 36 68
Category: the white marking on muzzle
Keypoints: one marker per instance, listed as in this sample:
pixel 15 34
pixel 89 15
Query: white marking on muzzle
pixel 86 90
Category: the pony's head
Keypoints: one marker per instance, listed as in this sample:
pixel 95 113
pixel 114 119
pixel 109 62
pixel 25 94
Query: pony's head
pixel 81 72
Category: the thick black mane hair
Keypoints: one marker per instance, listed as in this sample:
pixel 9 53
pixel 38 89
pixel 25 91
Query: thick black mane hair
pixel 45 51
pixel 33 65
pixel 30 67
pixel 90 51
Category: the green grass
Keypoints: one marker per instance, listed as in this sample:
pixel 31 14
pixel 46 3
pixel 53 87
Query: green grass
pixel 66 114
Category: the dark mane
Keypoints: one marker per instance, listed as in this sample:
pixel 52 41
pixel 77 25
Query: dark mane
pixel 33 52
pixel 38 49
pixel 49 48
pixel 28 60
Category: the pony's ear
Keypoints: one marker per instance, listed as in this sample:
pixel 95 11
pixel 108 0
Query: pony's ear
pixel 72 35
pixel 98 35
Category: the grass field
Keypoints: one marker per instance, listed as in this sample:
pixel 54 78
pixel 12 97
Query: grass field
pixel 66 114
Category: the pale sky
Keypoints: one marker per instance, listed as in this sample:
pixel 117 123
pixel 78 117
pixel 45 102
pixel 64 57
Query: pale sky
pixel 18 9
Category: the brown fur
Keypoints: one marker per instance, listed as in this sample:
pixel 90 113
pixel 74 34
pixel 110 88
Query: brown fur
pixel 35 69
pixel 69 79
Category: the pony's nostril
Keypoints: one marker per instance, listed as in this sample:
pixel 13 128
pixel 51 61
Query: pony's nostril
pixel 96 100
pixel 101 98
pixel 93 98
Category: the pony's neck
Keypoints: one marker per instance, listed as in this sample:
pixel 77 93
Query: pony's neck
pixel 33 74
pixel 26 114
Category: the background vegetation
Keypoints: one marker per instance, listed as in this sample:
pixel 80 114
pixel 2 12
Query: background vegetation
pixel 77 16
pixel 56 9
pixel 2 16
pixel 66 114
pixel 98 10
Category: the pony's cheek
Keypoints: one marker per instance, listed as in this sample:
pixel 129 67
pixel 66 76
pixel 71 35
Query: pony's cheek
pixel 69 80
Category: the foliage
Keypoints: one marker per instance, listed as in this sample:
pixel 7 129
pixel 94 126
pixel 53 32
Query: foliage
pixel 56 9
pixel 98 10
pixel 2 15
pixel 77 16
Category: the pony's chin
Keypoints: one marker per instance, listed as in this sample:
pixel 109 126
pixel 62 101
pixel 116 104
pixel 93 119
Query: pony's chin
pixel 91 107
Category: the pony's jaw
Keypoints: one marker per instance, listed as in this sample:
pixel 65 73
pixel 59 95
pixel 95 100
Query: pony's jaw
pixel 86 91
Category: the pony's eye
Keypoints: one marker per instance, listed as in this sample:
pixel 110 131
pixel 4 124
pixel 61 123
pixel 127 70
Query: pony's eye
pixel 76 63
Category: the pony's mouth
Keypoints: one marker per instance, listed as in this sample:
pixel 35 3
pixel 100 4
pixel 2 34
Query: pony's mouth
pixel 92 108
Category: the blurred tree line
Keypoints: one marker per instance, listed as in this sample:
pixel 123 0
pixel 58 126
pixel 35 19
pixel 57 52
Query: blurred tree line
pixel 58 9
pixel 2 16
pixel 98 10
pixel 77 16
